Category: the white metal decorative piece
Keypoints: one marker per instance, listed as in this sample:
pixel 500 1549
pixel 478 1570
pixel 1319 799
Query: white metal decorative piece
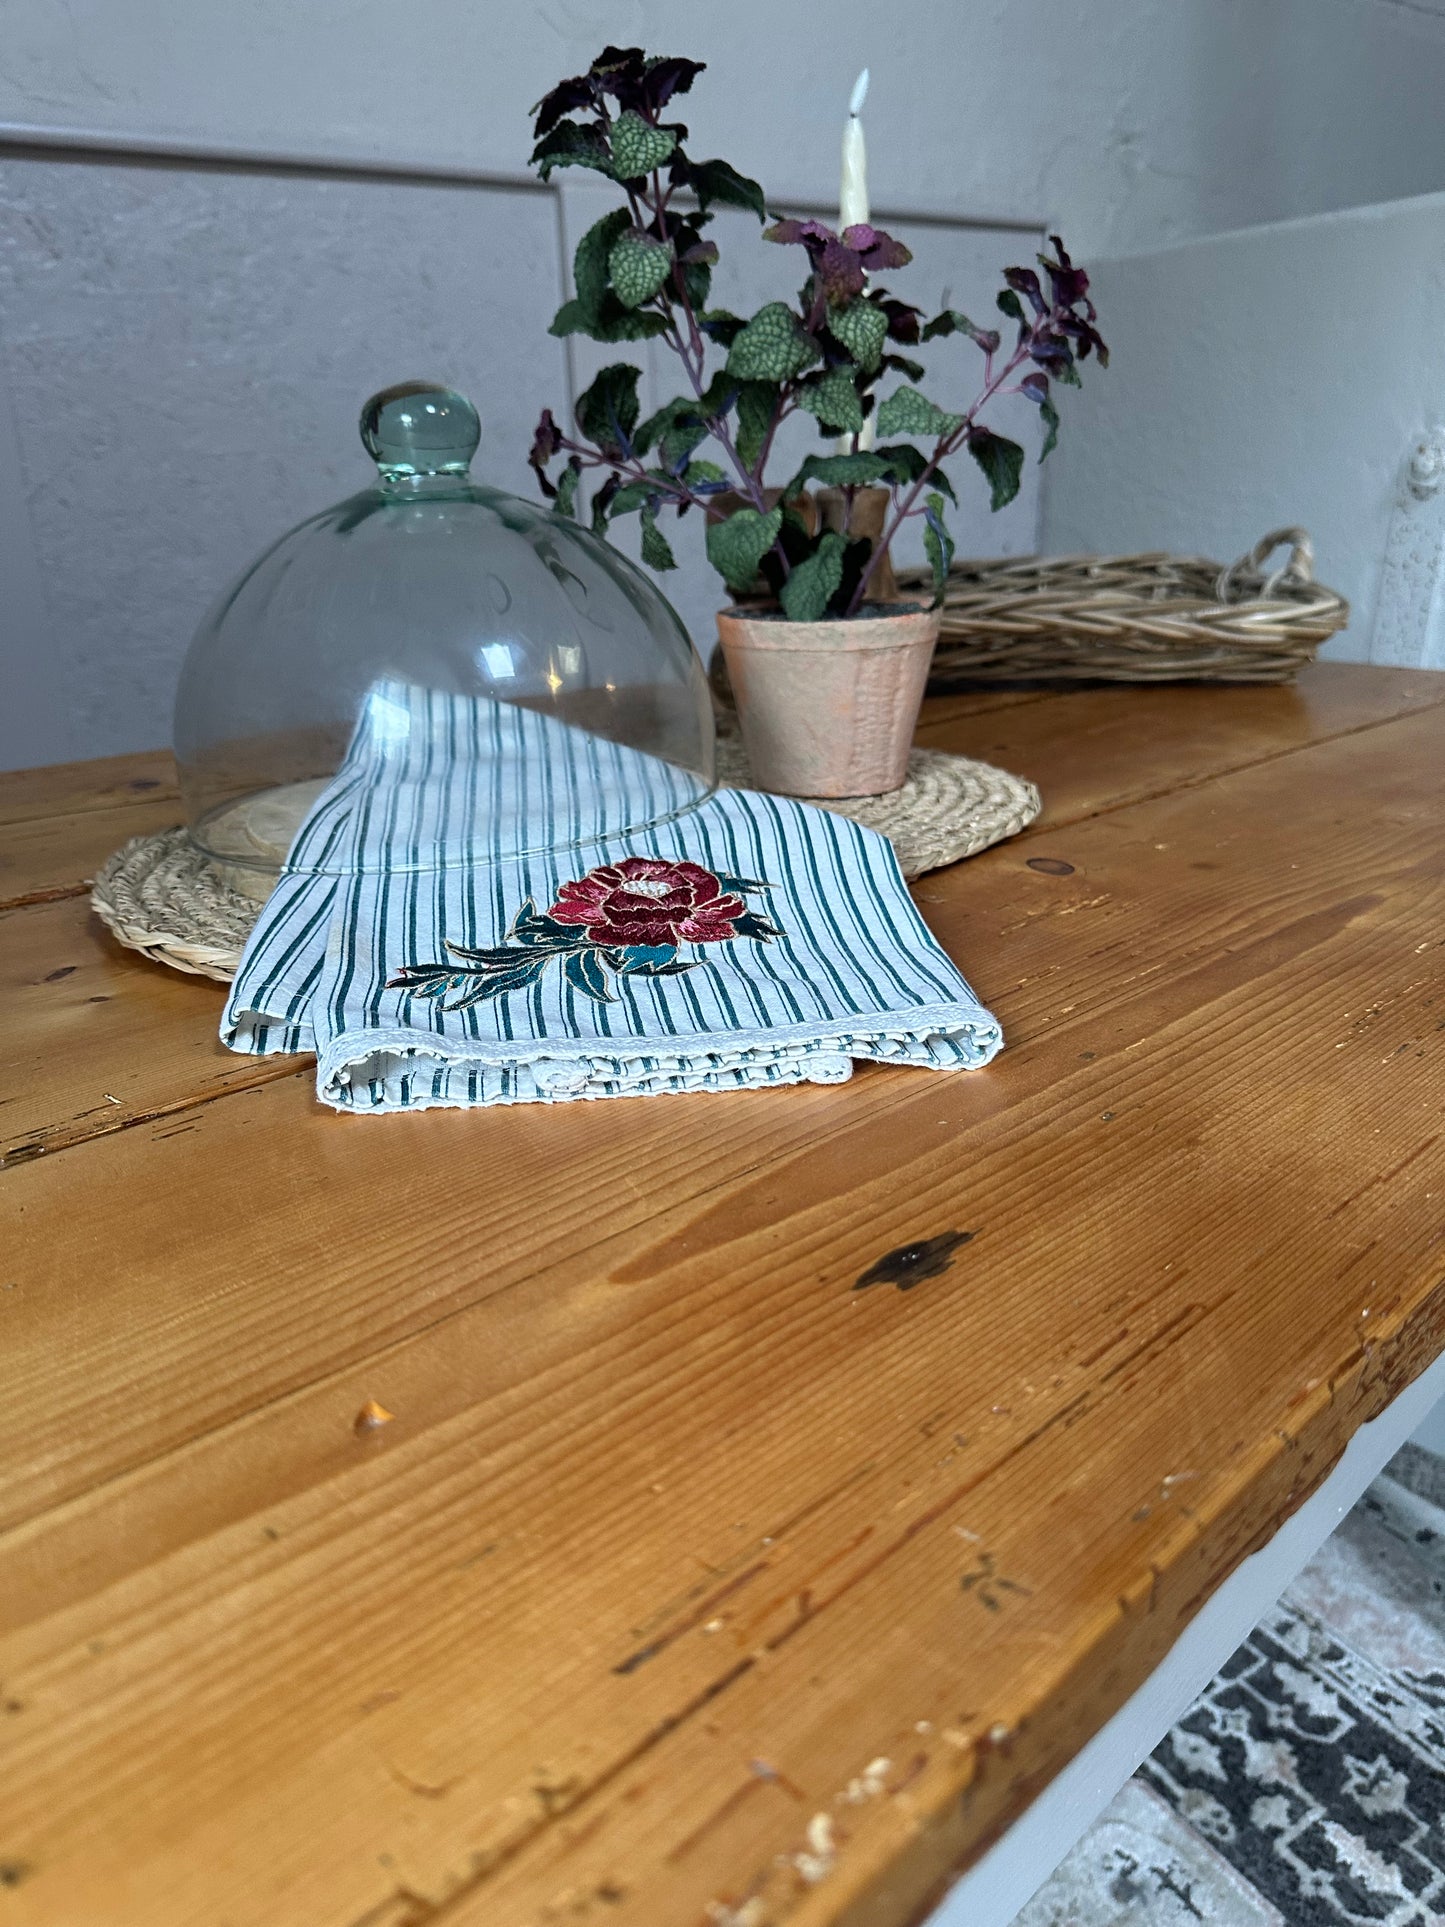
pixel 1410 614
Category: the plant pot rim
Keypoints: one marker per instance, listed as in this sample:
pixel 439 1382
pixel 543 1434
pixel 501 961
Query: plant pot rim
pixel 870 612
pixel 888 627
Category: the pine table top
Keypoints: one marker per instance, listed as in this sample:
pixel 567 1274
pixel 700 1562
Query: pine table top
pixel 697 1581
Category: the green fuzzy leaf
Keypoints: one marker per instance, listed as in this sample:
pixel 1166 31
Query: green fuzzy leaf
pixel 1010 304
pixel 607 411
pixel 589 261
pixel 1001 460
pixel 716 181
pixel 720 326
pixel 908 464
pixel 951 321
pixel 756 403
pixel 629 497
pixel 656 552
pixel 737 545
pixel 570 145
pixel 937 544
pixel 842 471
pixel 812 585
pixel 624 324
pixel 638 148
pixel 834 400
pixel 904 365
pixel 570 319
pixel 697 279
pixel 862 327
pixel 1065 372
pixel 702 472
pixel 638 266
pixel 773 346
pixel 566 502
pixel 677 426
pixel 1049 415
pixel 585 973
pixel 602 505
pixel 906 412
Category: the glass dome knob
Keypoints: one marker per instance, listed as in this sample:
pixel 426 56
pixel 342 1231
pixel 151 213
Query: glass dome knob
pixel 420 428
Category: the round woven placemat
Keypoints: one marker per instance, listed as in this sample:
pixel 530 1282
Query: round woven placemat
pixel 163 896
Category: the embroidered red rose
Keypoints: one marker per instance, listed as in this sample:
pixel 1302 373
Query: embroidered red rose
pixel 645 900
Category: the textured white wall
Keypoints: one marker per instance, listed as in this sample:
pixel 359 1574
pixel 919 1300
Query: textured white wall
pixel 1269 377
pixel 184 340
pixel 1135 120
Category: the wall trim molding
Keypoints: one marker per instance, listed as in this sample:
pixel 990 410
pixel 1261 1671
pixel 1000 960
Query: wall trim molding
pixel 26 141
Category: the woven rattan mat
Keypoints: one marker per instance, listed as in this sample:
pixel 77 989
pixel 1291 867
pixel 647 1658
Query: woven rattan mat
pixel 163 896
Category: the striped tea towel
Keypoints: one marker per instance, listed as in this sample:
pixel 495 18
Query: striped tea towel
pixel 462 920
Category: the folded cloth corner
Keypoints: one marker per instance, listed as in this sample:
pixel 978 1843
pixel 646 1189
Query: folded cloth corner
pixel 465 919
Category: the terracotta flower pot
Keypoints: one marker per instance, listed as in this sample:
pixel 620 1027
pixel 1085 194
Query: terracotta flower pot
pixel 828 708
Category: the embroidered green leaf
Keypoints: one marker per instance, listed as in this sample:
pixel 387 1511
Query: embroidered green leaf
pixel 646 959
pixel 638 265
pixel 638 148
pixel 756 402
pixel 750 924
pixel 738 544
pixel 834 400
pixel 772 346
pixel 937 544
pixel 1001 460
pixel 583 970
pixel 812 585
pixel 741 886
pixel 906 412
pixel 607 411
pixel 862 327
pixel 656 552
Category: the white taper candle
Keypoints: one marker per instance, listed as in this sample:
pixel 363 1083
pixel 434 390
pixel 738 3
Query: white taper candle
pixel 853 195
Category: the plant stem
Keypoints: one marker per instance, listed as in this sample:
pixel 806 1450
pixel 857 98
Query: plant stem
pixel 947 445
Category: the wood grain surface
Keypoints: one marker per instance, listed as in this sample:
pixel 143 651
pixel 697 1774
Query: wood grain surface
pixel 689 1582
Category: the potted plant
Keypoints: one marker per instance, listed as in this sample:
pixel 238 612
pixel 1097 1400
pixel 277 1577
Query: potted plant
pixel 827 682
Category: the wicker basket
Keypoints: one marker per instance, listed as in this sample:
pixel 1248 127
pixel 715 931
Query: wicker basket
pixel 1133 618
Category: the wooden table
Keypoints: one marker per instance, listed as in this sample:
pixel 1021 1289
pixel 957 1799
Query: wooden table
pixel 689 1583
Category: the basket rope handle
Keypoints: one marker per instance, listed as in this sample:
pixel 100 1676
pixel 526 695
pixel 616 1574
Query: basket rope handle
pixel 1299 568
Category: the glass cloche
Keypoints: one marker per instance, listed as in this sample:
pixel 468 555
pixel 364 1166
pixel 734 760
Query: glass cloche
pixel 428 582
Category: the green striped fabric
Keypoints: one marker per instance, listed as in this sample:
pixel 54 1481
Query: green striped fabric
pixel 463 920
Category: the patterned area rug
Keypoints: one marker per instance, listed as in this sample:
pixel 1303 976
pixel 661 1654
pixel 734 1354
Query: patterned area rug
pixel 1306 1785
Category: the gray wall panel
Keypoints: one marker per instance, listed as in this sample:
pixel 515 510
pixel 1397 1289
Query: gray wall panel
pixel 185 353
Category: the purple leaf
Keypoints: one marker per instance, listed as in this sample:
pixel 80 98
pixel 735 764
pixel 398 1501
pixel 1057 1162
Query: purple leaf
pixel 879 250
pixel 565 98
pixel 840 269
pixel 1026 282
pixel 545 443
pixel 1036 387
pixel 669 76
pixel 903 320
pixel 812 235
